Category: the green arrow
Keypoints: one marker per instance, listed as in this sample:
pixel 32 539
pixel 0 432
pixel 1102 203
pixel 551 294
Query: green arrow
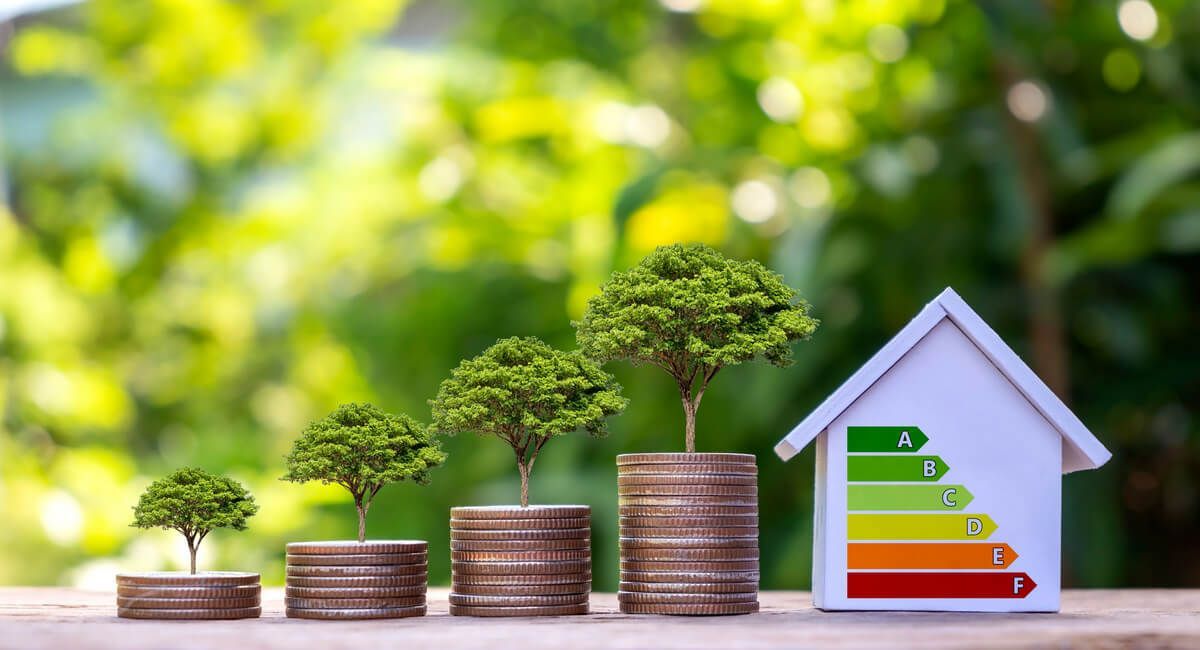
pixel 895 468
pixel 907 497
pixel 894 440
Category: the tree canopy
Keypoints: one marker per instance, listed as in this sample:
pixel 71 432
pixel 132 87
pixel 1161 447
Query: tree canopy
pixel 525 392
pixel 692 311
pixel 194 502
pixel 362 448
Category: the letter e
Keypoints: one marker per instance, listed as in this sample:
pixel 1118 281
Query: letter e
pixel 998 555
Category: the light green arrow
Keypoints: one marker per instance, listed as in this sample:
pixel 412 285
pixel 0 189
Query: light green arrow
pixel 917 496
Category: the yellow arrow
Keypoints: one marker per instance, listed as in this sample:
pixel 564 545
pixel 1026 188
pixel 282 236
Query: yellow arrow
pixel 919 526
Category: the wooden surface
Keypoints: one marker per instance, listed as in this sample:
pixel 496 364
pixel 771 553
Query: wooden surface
pixel 65 618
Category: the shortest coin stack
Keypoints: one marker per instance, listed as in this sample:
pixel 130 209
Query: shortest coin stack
pixel 513 561
pixel 201 596
pixel 347 580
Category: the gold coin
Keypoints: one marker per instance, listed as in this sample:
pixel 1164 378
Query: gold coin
pixel 355 614
pixel 629 480
pixel 518 601
pixel 142 602
pixel 689 577
pixel 239 591
pixel 520 568
pixel 520 544
pixel 357 571
pixel 523 590
pixel 690 587
pixel 680 500
pixel 358 559
pixel 689 542
pixel 459 580
pixel 743 532
pixel 689 554
pixel 351 547
pixel 516 512
pixel 520 524
pixel 522 535
pixel 742 521
pixel 520 556
pixel 354 603
pixel 203 579
pixel 352 582
pixel 638 597
pixel 682 566
pixel 720 469
pixel 685 458
pixel 715 609
pixel 195 614
pixel 558 610
pixel 355 592
pixel 689 511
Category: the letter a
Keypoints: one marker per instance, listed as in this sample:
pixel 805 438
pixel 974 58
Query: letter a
pixel 905 441
pixel 928 467
pixel 974 526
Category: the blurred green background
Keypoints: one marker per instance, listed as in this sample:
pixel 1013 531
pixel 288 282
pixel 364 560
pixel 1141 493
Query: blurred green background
pixel 219 219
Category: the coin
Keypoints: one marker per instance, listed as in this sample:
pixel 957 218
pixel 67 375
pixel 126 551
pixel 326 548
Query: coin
pixel 520 524
pixel 679 543
pixel 460 579
pixel 141 602
pixel 522 535
pixel 685 458
pixel 210 614
pixel 687 490
pixel 351 547
pixel 557 610
pixel 522 590
pixel 624 480
pixel 700 510
pixel 520 544
pixel 715 609
pixel 687 567
pixel 519 568
pixel 683 500
pixel 694 577
pixel 690 587
pixel 359 559
pixel 688 554
pixel 353 603
pixel 518 601
pixel 690 599
pixel 204 579
pixel 743 532
pixel 520 556
pixel 517 512
pixel 240 591
pixel 352 614
pixel 726 469
pixel 354 592
pixel 357 571
pixel 353 582
pixel 743 521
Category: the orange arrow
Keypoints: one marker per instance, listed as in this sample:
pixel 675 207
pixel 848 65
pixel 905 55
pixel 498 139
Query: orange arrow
pixel 929 556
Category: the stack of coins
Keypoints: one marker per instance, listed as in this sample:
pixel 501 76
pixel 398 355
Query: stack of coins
pixel 689 533
pixel 356 580
pixel 208 595
pixel 513 561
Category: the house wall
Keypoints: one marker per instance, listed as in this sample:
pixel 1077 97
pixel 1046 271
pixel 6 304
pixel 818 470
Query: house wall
pixel 995 443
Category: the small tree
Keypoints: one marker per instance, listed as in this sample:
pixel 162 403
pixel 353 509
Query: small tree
pixel 526 392
pixel 194 502
pixel 691 311
pixel 362 448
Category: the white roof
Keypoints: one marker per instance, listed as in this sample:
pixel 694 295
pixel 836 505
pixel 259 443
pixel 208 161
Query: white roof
pixel 1081 449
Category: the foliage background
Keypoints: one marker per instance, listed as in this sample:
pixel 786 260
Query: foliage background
pixel 220 219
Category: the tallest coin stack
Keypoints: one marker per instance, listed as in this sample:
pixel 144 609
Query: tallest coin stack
pixel 689 533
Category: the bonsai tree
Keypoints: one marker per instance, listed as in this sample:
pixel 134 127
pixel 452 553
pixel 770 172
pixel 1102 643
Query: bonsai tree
pixel 691 311
pixel 194 502
pixel 362 448
pixel 525 393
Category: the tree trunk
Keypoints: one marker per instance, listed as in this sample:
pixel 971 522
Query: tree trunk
pixel 689 417
pixel 524 469
pixel 362 520
pixel 192 548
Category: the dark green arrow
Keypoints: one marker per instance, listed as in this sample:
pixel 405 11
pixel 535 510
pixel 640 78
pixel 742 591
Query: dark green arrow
pixel 895 468
pixel 895 440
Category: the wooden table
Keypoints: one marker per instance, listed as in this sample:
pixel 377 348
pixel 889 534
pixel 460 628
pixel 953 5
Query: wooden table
pixel 66 618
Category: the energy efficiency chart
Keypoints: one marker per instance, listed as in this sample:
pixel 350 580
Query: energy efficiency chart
pixel 911 536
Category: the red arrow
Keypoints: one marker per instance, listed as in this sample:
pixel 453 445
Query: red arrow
pixel 939 585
